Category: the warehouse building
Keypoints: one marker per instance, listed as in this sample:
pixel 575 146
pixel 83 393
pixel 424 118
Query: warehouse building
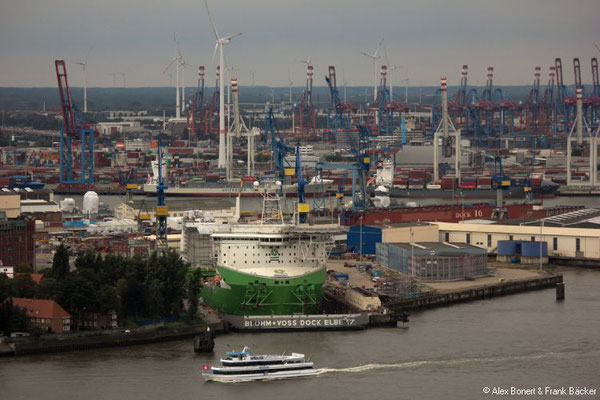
pixel 434 261
pixel 572 236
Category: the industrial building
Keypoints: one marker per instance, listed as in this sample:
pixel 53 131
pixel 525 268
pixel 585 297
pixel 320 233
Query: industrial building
pixel 434 261
pixel 570 236
pixel 363 238
pixel 17 241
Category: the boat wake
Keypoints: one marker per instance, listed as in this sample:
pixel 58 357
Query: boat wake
pixel 415 364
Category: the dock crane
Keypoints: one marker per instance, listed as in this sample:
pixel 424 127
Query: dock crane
pixel 73 129
pixel 195 107
pixel 359 168
pixel 338 113
pixel 501 182
pixel 278 148
pixel 303 207
pixel 162 211
pixel 305 113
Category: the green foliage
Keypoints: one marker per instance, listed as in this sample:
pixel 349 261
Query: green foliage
pixel 60 263
pixel 12 318
pixel 8 288
pixel 23 269
pixel 193 286
pixel 25 286
pixel 47 289
pixel 137 287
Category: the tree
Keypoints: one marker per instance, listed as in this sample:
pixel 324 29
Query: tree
pixel 194 283
pixel 77 294
pixel 108 298
pixel 60 263
pixel 25 285
pixel 8 288
pixel 155 301
pixel 47 289
pixel 23 269
pixel 12 318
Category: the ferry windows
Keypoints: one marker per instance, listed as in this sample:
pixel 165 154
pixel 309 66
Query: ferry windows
pixel 510 237
pixel 577 245
pixel 489 237
pixel 468 240
pixel 447 237
pixel 555 243
pixel 533 238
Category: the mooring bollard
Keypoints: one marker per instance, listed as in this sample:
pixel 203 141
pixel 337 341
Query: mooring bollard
pixel 560 291
pixel 204 342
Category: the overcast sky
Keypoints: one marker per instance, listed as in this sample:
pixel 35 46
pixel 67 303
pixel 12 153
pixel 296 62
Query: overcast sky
pixel 429 38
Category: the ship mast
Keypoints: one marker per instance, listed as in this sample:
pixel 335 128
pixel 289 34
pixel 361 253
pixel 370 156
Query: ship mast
pixel 272 213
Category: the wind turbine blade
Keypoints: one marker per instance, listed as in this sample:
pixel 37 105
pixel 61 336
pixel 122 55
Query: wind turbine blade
pixel 168 66
pixel 215 52
pixel 232 36
pixel 375 55
pixel 88 54
pixel 597 47
pixel 365 54
pixel 211 21
pixel 385 54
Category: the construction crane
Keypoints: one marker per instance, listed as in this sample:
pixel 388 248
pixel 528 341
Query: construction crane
pixel 162 211
pixel 73 129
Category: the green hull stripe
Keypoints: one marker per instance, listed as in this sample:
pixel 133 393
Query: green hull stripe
pixel 256 295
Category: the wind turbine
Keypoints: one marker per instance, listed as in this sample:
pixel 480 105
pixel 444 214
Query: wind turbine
pixel 178 60
pixel 183 65
pixel 290 84
pixel 220 42
pixel 84 65
pixel 375 56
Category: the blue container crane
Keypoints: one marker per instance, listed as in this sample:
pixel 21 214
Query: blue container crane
pixel 279 150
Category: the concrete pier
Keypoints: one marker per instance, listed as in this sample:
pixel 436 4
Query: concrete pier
pixel 476 293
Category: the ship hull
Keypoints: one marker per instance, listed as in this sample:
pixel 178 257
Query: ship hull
pixel 248 294
pixel 515 192
pixel 230 191
pixel 448 213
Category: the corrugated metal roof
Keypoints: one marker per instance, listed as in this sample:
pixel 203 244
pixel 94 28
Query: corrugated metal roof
pixel 518 229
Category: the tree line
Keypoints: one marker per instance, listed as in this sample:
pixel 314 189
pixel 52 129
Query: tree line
pixel 136 287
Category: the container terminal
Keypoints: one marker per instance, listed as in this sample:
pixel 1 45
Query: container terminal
pixel 306 215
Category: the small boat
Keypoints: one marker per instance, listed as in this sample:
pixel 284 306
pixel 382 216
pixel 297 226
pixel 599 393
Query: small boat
pixel 241 366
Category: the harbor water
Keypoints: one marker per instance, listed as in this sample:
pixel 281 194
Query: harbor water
pixel 523 341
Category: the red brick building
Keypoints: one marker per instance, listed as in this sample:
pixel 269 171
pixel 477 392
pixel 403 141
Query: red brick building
pixel 16 241
pixel 47 314
pixel 93 320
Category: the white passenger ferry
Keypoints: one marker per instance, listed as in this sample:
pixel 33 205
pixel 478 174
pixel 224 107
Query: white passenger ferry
pixel 240 366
